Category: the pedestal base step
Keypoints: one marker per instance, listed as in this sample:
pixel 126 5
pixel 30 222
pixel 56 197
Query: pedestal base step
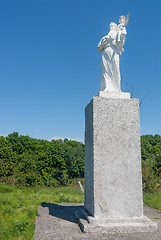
pixel 90 224
pixel 106 94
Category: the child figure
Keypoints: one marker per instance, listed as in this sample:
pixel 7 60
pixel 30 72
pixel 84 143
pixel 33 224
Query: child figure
pixel 122 23
pixel 121 27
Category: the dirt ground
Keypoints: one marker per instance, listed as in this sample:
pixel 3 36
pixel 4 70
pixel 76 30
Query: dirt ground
pixel 57 222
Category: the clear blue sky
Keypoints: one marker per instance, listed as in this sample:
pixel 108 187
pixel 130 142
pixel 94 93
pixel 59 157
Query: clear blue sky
pixel 50 66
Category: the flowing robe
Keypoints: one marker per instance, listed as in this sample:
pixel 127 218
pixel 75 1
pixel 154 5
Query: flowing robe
pixel 110 72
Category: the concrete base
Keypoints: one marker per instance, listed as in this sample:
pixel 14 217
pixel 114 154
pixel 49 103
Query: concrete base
pixel 113 180
pixel 90 224
pixel 105 94
pixel 113 176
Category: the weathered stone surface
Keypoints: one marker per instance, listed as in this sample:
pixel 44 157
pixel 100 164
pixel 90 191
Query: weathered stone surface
pixel 113 179
pixel 112 160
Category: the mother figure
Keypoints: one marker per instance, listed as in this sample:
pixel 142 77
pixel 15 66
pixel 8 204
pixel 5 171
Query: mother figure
pixel 111 47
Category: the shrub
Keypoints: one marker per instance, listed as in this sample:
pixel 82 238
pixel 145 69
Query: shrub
pixel 150 178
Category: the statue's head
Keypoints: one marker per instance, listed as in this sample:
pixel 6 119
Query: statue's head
pixel 113 26
pixel 122 19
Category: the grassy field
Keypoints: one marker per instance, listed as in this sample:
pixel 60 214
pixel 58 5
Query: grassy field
pixel 18 207
pixel 153 200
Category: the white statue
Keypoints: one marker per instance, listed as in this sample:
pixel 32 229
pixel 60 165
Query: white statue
pixel 111 47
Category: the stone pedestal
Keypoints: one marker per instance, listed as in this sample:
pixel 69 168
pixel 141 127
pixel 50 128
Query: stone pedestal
pixel 113 178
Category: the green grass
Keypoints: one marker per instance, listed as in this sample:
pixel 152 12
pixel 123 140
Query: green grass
pixel 18 207
pixel 153 200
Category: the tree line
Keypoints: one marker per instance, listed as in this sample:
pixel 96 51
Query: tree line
pixel 25 161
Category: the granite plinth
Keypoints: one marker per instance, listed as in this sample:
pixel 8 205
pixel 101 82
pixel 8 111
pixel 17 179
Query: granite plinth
pixel 113 177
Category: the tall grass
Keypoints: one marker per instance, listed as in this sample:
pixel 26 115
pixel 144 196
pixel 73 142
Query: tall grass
pixel 18 207
pixel 153 199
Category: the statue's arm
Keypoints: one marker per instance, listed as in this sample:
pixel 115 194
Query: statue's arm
pixel 127 19
pixel 102 43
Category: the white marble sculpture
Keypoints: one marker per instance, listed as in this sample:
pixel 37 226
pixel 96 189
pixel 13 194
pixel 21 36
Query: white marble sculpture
pixel 111 47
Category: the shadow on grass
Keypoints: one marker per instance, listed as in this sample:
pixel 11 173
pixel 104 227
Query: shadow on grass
pixel 65 212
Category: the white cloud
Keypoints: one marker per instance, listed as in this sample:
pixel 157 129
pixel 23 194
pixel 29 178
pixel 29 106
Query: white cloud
pixel 62 138
pixel 3 134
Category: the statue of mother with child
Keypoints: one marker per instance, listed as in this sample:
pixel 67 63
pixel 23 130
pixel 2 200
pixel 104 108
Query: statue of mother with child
pixel 111 47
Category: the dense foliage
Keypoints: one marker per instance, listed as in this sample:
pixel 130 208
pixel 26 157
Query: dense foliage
pixel 27 161
pixel 151 162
